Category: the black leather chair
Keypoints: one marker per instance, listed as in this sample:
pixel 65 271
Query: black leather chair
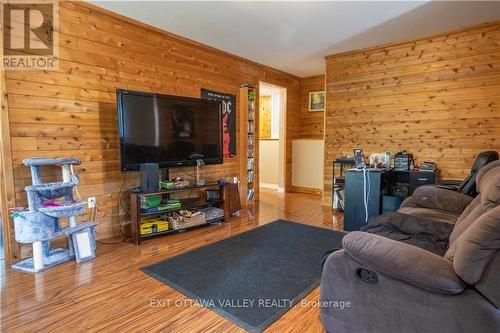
pixel 468 185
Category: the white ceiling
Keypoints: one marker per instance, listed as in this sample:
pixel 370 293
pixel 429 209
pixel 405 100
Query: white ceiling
pixel 296 36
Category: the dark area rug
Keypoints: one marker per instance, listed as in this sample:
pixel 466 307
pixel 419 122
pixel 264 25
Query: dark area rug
pixel 253 278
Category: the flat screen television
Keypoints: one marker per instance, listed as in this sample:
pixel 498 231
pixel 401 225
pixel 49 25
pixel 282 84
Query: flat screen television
pixel 168 130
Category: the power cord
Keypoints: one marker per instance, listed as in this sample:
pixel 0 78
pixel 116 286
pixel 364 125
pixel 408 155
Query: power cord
pixel 107 243
pixel 119 200
pixel 94 213
pixel 122 220
pixel 126 209
pixel 366 192
pixel 188 174
pixel 93 220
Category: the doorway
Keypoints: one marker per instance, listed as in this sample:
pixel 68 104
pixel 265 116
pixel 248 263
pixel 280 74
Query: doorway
pixel 272 109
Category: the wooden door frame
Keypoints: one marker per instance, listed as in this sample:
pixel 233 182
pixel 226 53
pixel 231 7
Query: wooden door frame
pixel 283 125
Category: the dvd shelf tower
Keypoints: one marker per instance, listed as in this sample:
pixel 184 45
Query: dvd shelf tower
pixel 249 144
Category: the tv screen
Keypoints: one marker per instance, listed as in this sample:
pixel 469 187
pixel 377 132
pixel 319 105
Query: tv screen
pixel 168 130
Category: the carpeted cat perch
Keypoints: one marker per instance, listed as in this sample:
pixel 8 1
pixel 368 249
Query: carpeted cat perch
pixel 39 224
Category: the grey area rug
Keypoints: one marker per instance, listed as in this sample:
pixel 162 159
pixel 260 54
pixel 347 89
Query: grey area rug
pixel 253 278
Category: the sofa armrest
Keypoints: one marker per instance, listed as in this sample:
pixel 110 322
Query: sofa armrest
pixel 450 182
pixel 448 187
pixel 409 202
pixel 441 199
pixel 402 261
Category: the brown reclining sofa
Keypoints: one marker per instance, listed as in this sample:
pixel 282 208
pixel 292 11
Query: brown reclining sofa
pixel 433 266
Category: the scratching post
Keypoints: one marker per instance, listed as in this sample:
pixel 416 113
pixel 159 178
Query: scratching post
pixel 66 176
pixel 37 256
pixel 39 224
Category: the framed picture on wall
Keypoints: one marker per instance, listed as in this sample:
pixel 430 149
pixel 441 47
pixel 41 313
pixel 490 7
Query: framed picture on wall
pixel 316 101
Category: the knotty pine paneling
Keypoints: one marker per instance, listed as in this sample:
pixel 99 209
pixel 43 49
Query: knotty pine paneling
pixel 437 97
pixel 312 123
pixel 72 111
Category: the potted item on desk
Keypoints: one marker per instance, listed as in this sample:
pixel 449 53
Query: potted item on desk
pixel 378 160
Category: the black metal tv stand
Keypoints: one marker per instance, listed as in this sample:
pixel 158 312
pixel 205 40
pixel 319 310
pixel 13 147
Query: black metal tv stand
pixel 136 215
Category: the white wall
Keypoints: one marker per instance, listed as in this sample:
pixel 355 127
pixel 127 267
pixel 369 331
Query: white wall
pixel 269 151
pixel 276 115
pixel 307 163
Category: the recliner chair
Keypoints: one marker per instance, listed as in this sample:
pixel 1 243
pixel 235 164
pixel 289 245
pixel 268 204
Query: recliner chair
pixel 468 185
pixel 393 286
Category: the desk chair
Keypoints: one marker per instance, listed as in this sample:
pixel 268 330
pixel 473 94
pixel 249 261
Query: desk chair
pixel 468 185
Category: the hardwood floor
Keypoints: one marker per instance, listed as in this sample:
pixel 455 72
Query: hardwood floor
pixel 110 293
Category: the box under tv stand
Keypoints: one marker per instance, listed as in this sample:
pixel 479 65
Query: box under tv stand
pixel 136 215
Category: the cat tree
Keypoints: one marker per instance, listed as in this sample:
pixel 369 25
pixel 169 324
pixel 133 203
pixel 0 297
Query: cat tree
pixel 40 223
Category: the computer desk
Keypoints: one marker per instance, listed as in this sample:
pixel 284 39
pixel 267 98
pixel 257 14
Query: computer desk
pixel 379 188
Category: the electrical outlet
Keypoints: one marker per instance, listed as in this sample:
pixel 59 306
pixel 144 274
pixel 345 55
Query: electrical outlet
pixel 91 202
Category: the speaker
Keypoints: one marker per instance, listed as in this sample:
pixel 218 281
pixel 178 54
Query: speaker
pixel 400 190
pixel 150 177
pixel 212 195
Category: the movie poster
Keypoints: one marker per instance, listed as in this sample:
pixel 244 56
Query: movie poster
pixel 228 119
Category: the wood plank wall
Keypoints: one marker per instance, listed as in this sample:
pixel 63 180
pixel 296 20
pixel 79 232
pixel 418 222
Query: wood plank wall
pixel 436 96
pixel 312 123
pixel 73 111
